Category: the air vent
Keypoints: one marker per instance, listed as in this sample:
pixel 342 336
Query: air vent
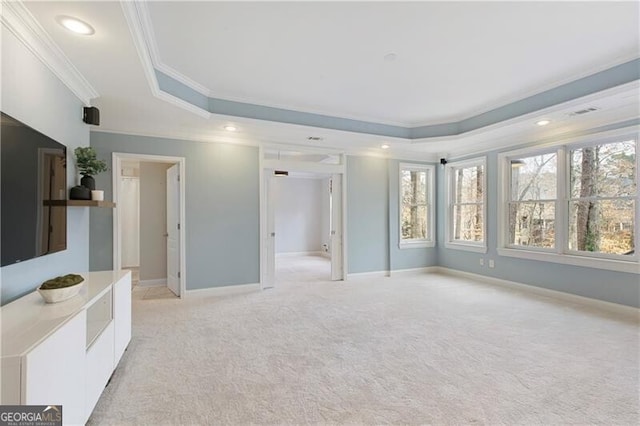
pixel 314 138
pixel 584 111
pixel 281 173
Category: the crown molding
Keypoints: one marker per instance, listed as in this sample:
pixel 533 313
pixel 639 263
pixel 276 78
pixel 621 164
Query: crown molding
pixel 146 28
pixel 143 21
pixel 21 23
pixel 136 14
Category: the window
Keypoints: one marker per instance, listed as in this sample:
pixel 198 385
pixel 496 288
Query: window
pixel 532 203
pixel 574 204
pixel 466 213
pixel 602 198
pixel 416 206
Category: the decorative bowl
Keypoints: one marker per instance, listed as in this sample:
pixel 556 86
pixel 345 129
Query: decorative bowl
pixel 55 295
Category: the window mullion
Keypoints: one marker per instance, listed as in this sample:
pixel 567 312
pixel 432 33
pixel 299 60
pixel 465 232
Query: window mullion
pixel 562 204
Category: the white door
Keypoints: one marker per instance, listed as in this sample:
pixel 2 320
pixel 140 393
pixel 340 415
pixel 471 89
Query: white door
pixel 337 269
pixel 269 235
pixel 173 229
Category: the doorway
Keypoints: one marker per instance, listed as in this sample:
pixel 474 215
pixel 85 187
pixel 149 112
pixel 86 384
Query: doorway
pixel 148 228
pixel 302 227
pixel 302 221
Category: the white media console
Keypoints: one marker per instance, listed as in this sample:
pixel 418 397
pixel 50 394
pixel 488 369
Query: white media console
pixel 64 353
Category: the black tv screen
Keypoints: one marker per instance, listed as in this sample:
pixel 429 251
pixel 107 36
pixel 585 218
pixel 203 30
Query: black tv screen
pixel 33 169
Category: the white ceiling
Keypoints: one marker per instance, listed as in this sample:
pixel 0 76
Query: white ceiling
pixel 453 60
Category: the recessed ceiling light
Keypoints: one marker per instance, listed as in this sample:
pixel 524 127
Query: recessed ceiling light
pixel 543 122
pixel 75 25
pixel 385 146
pixel 390 57
pixel 230 128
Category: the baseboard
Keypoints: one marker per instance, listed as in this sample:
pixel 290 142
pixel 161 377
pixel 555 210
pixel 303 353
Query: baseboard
pixel 555 294
pixel 162 282
pixel 223 290
pixel 373 274
pixel 416 271
pixel 299 253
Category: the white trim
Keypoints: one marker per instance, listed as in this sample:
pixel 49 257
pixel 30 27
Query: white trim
pixel 430 170
pixel 299 254
pixel 459 146
pixel 516 96
pixel 415 271
pixel 567 259
pixel 116 167
pixel 133 13
pixel 19 21
pixel 372 274
pixel 223 290
pixel 299 166
pixel 466 247
pixel 145 24
pixel 477 247
pixel 162 282
pixel 302 166
pixel 554 294
pixel 411 244
pixel 388 273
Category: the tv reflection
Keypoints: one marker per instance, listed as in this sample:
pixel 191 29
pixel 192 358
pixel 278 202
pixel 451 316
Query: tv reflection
pixel 52 217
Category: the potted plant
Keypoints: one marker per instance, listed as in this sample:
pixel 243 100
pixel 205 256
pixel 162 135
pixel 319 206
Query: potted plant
pixel 89 166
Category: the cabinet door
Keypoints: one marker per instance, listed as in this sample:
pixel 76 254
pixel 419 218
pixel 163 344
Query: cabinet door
pixel 122 316
pixel 53 372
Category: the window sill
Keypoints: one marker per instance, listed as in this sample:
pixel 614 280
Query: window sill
pixel 632 267
pixel 415 244
pixel 466 247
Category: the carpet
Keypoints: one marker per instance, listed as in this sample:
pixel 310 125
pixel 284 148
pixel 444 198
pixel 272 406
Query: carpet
pixel 410 349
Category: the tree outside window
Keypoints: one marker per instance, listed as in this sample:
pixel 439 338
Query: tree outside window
pixel 574 204
pixel 466 214
pixel 533 198
pixel 416 195
pixel 602 198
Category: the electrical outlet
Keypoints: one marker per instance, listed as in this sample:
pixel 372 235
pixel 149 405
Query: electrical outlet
pixel 492 264
pixel 481 261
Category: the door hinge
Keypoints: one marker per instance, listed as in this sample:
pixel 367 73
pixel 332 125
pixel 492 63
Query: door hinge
pixel 178 227
pixel 178 274
pixel 178 178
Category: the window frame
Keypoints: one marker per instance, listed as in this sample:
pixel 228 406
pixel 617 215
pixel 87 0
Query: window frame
pixel 562 254
pixel 449 173
pixel 506 179
pixel 430 241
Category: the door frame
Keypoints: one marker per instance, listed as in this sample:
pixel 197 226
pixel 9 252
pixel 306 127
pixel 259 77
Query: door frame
pixel 116 171
pixel 299 166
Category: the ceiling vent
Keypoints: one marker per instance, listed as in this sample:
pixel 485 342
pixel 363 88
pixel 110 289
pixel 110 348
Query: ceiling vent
pixel 314 138
pixel 583 111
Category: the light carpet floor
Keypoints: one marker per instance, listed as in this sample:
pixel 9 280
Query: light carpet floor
pixel 410 349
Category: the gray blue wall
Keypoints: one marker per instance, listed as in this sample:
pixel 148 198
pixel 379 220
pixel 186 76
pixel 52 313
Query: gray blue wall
pixel 611 286
pixel 372 219
pixel 32 94
pixel 222 207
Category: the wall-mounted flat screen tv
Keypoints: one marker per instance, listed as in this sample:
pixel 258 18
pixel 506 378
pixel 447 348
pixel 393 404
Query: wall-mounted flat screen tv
pixel 33 185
